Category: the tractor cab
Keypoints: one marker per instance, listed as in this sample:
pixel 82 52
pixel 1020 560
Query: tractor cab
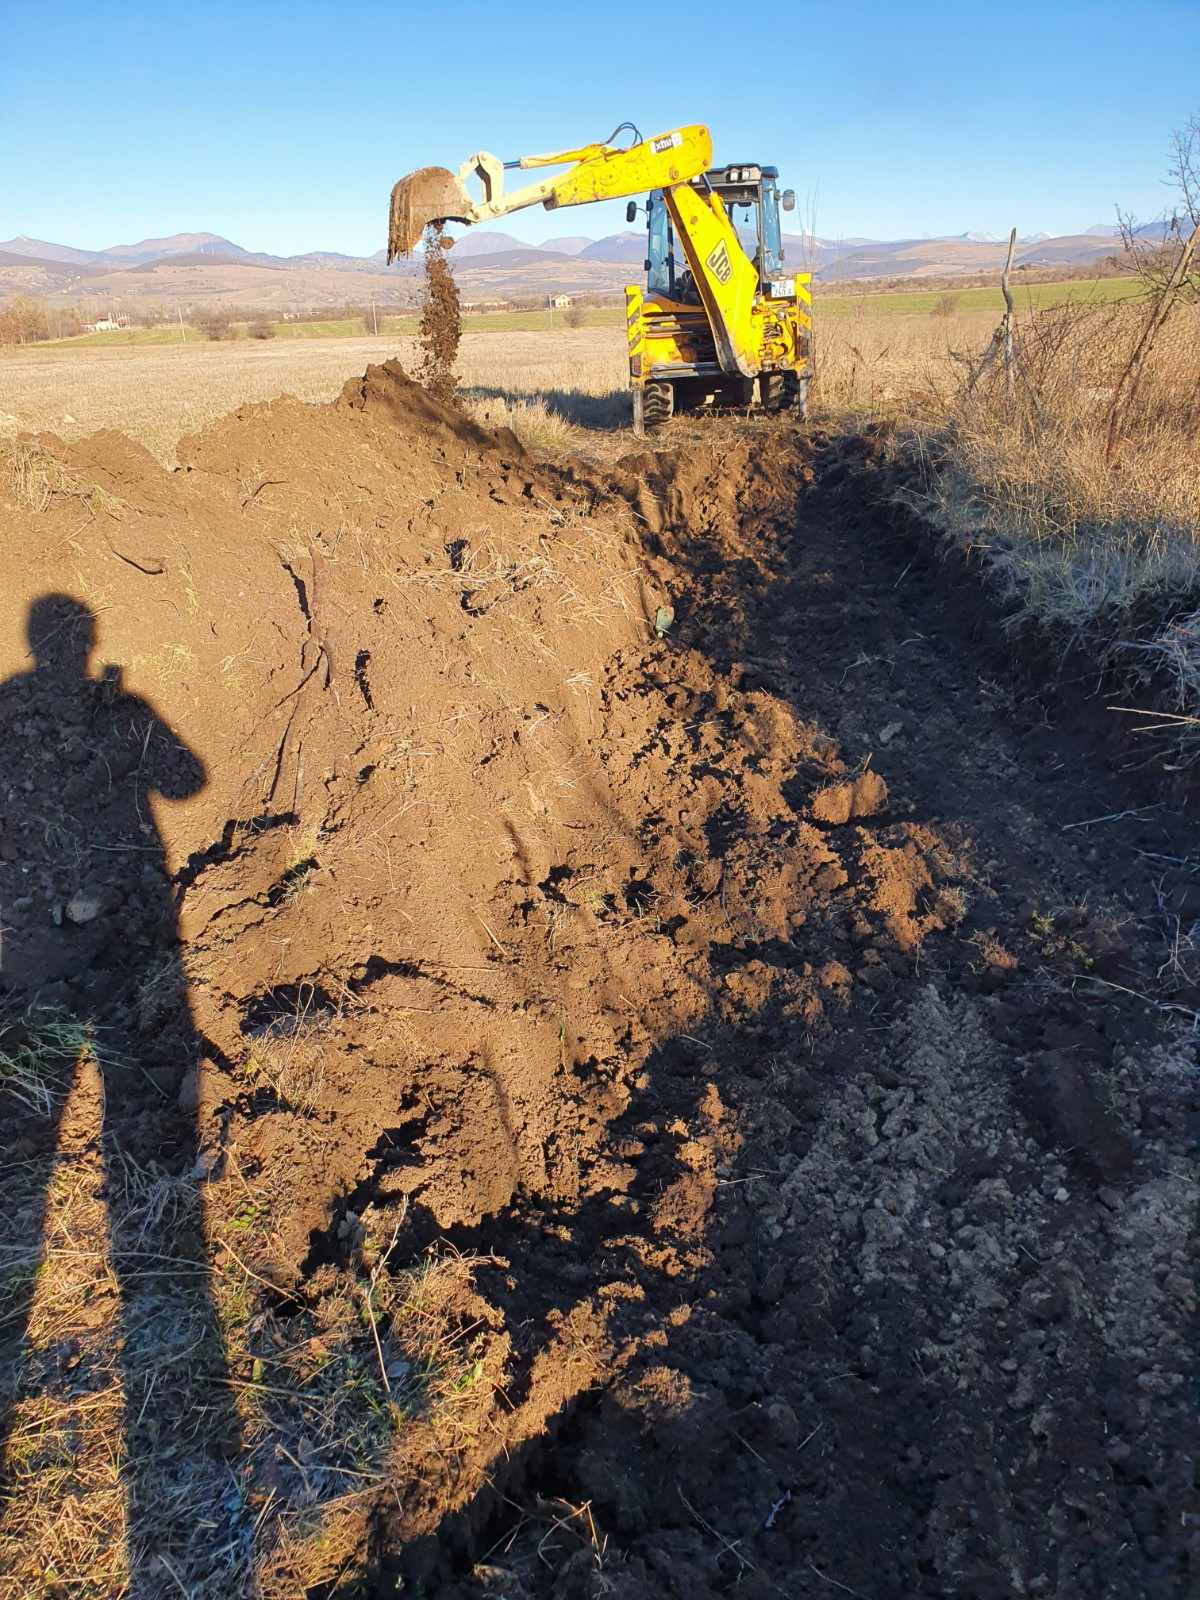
pixel 753 202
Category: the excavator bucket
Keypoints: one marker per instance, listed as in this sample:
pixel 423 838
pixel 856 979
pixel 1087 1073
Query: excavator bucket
pixel 431 194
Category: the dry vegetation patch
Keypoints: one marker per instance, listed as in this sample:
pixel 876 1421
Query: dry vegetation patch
pixel 1095 545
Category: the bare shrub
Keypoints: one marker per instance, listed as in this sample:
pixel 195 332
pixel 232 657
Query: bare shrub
pixel 575 315
pixel 261 328
pixel 944 306
pixel 214 323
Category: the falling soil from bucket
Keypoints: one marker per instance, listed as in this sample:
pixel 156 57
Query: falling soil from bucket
pixel 441 317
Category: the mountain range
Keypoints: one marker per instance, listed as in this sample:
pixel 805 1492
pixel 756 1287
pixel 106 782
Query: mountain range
pixel 188 268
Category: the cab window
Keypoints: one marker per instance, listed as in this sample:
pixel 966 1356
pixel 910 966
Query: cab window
pixel 772 238
pixel 660 274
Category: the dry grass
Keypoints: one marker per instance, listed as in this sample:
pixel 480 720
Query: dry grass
pixel 115 1356
pixel 35 479
pixel 871 365
pixel 176 1424
pixel 553 389
pixel 330 1390
pixel 38 1057
pixel 1096 550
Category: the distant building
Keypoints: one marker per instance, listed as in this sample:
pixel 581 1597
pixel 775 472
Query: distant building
pixel 558 302
pixel 108 324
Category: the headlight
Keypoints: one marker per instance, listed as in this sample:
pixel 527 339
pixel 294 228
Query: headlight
pixel 782 289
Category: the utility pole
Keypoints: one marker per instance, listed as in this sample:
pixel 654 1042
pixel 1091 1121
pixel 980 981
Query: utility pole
pixel 182 329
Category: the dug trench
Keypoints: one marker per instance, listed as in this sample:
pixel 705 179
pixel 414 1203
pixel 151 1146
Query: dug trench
pixel 683 1092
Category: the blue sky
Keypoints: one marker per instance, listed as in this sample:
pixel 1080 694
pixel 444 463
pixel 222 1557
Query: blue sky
pixel 284 126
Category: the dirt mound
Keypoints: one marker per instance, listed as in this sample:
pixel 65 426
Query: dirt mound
pixel 637 1127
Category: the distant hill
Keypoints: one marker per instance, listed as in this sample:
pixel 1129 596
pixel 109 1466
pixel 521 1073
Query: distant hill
pixel 177 244
pixel 207 268
pixel 571 244
pixel 521 255
pixel 616 247
pixel 50 267
pixel 40 250
pixel 1143 230
pixel 210 258
pixel 486 242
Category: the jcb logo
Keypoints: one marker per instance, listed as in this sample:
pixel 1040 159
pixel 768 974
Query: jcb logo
pixel 719 262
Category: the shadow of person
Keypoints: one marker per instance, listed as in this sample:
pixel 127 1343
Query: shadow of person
pixel 93 1000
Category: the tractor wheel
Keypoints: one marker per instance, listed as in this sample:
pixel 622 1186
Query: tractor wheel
pixel 770 390
pixel 784 391
pixel 658 405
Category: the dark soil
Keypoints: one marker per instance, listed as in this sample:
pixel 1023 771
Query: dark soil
pixel 803 1080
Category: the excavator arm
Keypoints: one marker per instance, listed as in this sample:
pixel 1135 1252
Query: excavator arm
pixel 726 279
pixel 599 172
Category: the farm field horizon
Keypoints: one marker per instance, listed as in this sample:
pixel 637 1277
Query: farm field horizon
pixel 839 301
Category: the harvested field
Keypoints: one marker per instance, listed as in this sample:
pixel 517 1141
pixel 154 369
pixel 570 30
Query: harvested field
pixel 567 1033
pixel 158 394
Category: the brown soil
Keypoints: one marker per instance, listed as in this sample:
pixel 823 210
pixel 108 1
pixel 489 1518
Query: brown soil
pixel 440 330
pixel 740 1021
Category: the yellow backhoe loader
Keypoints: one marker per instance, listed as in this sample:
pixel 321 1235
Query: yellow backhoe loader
pixel 718 319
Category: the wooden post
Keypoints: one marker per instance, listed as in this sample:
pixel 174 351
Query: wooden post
pixel 1001 343
pixel 1008 316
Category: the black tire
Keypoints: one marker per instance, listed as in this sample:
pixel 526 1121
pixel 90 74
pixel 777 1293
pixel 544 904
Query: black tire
pixel 658 405
pixel 784 391
pixel 772 390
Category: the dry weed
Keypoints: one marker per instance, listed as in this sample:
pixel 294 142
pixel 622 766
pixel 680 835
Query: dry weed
pixel 39 1054
pixel 178 1422
pixel 35 478
pixel 1088 547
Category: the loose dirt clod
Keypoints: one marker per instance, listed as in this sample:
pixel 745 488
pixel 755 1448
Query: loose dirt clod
pixel 441 317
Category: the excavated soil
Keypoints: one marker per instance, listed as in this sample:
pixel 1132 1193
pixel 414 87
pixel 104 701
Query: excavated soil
pixel 665 921
pixel 440 330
